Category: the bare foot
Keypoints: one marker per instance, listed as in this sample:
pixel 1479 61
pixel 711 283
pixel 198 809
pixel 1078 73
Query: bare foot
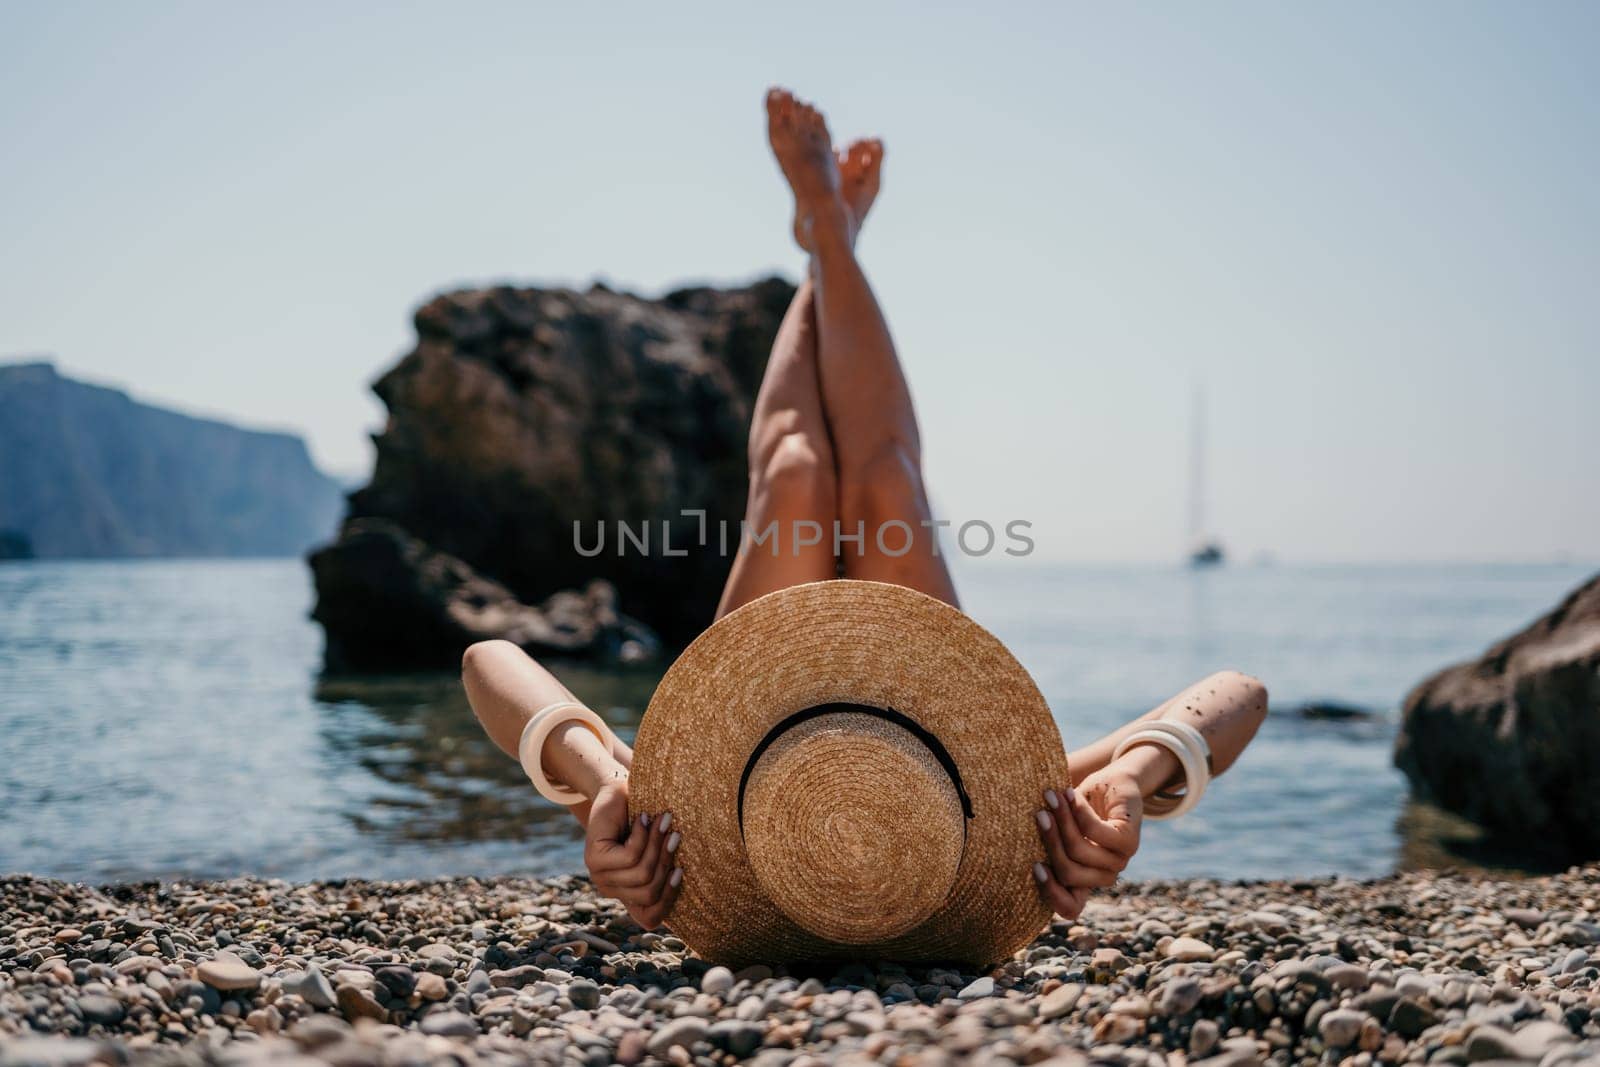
pixel 860 170
pixel 800 140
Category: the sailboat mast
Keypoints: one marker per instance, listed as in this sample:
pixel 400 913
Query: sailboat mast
pixel 1197 467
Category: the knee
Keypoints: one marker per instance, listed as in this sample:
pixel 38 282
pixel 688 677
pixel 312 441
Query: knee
pixel 480 657
pixel 797 472
pixel 885 482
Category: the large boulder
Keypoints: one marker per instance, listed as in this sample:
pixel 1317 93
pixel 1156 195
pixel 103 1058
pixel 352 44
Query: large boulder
pixel 1511 740
pixel 525 422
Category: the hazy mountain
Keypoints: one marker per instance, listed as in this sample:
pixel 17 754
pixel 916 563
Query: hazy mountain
pixel 87 471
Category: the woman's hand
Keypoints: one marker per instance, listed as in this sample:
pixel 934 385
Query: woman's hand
pixel 1089 833
pixel 632 863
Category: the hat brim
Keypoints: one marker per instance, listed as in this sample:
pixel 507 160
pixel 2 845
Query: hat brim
pixel 853 642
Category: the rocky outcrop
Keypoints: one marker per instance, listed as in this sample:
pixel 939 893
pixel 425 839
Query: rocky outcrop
pixel 523 424
pixel 1512 739
pixel 88 471
pixel 387 596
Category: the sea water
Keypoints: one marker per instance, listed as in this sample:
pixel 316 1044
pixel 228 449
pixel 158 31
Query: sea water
pixel 160 719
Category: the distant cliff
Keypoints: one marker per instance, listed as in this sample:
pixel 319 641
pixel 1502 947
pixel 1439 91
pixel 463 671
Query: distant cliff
pixel 87 471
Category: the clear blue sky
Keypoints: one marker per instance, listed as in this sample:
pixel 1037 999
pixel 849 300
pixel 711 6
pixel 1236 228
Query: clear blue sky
pixel 1372 230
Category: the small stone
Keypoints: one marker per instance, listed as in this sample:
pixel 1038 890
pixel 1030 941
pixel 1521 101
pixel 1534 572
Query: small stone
pixel 1203 1038
pixel 398 982
pixel 98 1008
pixel 679 1033
pixel 982 987
pixel 357 1003
pixel 1347 976
pixel 68 935
pixel 739 1037
pixel 584 994
pixel 1410 1017
pixel 1108 959
pixel 264 1020
pixel 1190 950
pixel 449 1024
pixel 1340 1028
pixel 1527 918
pixel 436 950
pixel 631 1048
pixel 311 986
pixel 1116 1029
pixel 717 981
pixel 1180 996
pixel 1059 1001
pixel 226 971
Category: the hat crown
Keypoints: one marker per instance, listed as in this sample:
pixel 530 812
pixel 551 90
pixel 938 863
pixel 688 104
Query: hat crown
pixel 853 826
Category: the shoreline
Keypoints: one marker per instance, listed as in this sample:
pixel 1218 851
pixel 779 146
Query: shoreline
pixel 1412 967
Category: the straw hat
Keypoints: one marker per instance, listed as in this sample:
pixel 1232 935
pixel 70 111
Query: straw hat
pixel 856 768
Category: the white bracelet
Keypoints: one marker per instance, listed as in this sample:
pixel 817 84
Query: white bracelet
pixel 1193 755
pixel 530 750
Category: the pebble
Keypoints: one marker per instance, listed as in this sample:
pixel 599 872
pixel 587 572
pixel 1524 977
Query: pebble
pixel 449 1024
pixel 1059 1001
pixel 982 987
pixel 1417 968
pixel 737 1036
pixel 98 1008
pixel 680 1033
pixel 227 972
pixel 717 981
pixel 1190 950
pixel 356 1002
pixel 311 986
pixel 1340 1028
pixel 1180 996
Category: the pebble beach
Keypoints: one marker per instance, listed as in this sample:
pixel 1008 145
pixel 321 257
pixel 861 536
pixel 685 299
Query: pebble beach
pixel 1415 968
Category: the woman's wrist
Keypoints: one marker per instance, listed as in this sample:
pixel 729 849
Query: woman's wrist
pixel 576 758
pixel 1151 766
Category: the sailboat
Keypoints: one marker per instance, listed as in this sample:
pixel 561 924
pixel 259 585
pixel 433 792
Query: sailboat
pixel 1204 550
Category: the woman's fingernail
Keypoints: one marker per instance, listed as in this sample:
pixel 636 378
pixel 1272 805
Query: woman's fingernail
pixel 675 879
pixel 644 819
pixel 1044 819
pixel 1051 799
pixel 1040 875
pixel 1071 796
pixel 664 822
pixel 672 842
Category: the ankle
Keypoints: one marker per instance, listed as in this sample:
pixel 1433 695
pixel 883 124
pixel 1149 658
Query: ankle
pixel 830 231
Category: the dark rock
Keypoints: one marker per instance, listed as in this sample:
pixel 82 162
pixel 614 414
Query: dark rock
pixel 398 982
pixel 1332 711
pixel 408 597
pixel 98 1008
pixel 1410 1017
pixel 737 1036
pixel 1525 716
pixel 524 416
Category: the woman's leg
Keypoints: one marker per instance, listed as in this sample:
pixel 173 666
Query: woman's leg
pixel 791 470
pixel 877 450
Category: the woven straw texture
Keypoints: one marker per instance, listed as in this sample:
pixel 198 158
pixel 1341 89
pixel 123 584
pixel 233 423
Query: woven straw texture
pixel 882 646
